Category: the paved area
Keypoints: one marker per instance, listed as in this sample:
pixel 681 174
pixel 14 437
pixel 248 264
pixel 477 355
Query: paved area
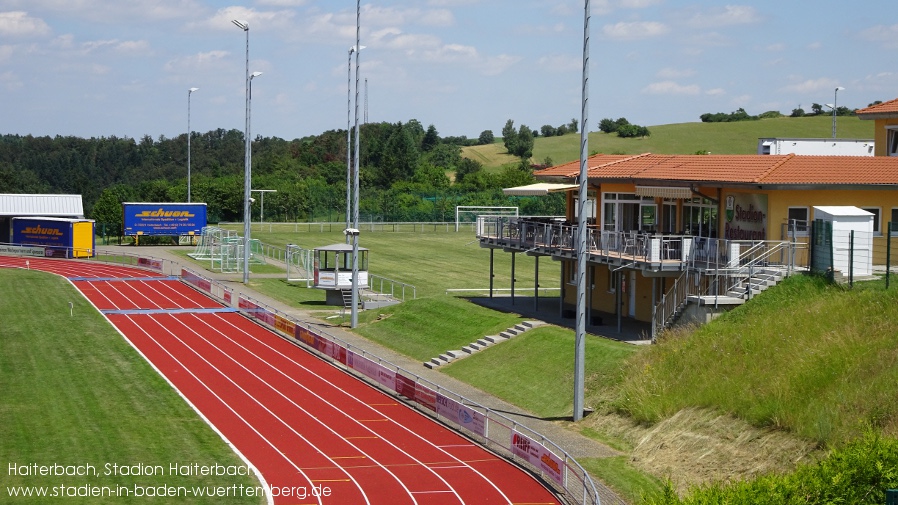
pixel 575 444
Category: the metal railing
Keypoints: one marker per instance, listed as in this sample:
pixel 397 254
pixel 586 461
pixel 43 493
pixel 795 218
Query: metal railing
pixel 389 288
pixel 488 427
pixel 369 226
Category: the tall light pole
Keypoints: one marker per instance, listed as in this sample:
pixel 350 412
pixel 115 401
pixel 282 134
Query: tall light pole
pixel 835 107
pixel 349 144
pixel 354 319
pixel 582 201
pixel 349 140
pixel 247 178
pixel 189 131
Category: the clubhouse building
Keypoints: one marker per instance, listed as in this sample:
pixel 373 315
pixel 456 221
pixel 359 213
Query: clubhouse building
pixel 696 234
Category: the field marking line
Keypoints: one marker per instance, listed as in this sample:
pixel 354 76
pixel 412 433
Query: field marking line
pixel 220 399
pixel 316 418
pixel 358 401
pixel 247 393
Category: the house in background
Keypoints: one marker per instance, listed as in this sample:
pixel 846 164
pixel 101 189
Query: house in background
pixel 886 130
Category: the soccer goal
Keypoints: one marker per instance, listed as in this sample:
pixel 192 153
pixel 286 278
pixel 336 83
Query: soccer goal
pixel 469 213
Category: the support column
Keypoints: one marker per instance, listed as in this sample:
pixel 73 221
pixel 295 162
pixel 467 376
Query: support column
pixel 536 283
pixel 513 255
pixel 492 251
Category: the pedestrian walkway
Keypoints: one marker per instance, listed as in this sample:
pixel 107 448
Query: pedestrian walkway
pixel 575 444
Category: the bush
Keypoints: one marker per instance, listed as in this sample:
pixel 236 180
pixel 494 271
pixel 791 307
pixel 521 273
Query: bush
pixel 858 473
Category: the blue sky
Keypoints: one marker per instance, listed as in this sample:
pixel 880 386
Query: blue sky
pixel 123 67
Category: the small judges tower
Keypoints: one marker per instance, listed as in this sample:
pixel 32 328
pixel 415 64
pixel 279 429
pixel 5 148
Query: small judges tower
pixel 333 271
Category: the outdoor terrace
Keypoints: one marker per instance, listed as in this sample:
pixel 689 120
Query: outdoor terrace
pixel 650 252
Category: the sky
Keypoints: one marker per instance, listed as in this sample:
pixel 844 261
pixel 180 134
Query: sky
pixel 101 68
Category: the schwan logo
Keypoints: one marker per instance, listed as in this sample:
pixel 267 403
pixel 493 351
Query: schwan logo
pixel 165 213
pixel 39 230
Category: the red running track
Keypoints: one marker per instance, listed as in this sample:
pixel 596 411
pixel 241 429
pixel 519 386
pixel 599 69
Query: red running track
pixel 299 420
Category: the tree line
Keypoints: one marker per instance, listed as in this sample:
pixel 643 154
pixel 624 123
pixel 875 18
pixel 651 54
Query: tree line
pixel 407 173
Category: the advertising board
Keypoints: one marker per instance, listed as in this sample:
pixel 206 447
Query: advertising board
pixel 164 219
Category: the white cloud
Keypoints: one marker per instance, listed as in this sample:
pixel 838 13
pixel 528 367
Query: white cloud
pixel 498 64
pixel 675 73
pixel 119 46
pixel 671 88
pixel 638 4
pixel 222 19
pixel 117 11
pixel 815 45
pixel 716 92
pixel 437 17
pixel 6 52
pixel 197 62
pixel 725 16
pixel 20 24
pixel 560 63
pixel 283 3
pixel 812 85
pixel 10 81
pixel 885 35
pixel 778 47
pixel 634 30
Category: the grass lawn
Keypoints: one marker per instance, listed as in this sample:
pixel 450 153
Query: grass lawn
pixel 76 393
pixel 432 260
pixel 535 370
pixel 631 484
pixel 428 327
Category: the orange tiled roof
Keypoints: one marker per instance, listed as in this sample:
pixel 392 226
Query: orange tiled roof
pixel 786 169
pixel 889 108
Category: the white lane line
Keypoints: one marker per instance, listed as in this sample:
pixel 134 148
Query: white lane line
pixel 223 402
pixel 249 395
pixel 353 398
pixel 291 378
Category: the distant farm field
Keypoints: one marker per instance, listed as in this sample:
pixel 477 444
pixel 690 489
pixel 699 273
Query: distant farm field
pixel 681 138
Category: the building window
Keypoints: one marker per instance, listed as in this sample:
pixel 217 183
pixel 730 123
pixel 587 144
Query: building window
pixel 798 221
pixel 892 147
pixel 894 221
pixel 876 213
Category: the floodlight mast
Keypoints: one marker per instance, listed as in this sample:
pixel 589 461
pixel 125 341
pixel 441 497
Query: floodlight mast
pixel 582 201
pixel 247 175
pixel 354 319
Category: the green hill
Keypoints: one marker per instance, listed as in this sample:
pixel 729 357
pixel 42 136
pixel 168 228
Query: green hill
pixel 682 138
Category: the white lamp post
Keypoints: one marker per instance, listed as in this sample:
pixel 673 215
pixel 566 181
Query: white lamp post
pixel 582 202
pixel 835 107
pixel 247 177
pixel 189 131
pixel 349 142
pixel 354 319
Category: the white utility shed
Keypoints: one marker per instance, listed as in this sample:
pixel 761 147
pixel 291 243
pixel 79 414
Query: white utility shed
pixel 844 220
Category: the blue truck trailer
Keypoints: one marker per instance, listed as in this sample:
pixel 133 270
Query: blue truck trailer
pixel 61 237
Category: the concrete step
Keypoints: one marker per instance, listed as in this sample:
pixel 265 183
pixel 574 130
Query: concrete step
pixel 481 344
